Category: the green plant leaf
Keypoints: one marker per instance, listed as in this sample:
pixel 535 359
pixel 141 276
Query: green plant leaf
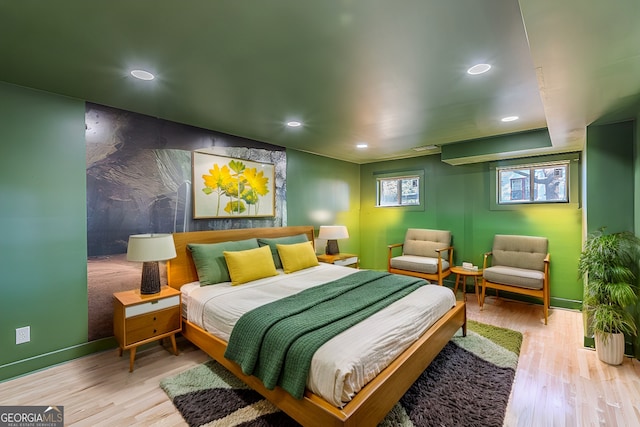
pixel 609 265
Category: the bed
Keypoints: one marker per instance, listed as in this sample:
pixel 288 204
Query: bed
pixel 366 405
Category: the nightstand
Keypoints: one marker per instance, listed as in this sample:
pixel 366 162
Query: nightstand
pixel 348 260
pixel 140 319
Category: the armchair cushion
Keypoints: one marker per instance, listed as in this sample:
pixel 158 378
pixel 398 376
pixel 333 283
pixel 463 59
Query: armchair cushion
pixel 420 264
pixel 521 277
pixel 527 252
pixel 424 243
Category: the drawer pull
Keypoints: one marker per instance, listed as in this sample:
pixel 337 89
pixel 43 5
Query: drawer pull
pixel 154 302
pixel 155 330
pixel 154 318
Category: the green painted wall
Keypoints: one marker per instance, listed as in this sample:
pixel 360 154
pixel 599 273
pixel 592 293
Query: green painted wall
pixel 324 191
pixel 610 194
pixel 636 176
pixel 458 199
pixel 454 153
pixel 43 254
pixel 610 189
pixel 636 216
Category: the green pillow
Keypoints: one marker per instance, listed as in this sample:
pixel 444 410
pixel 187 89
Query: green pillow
pixel 209 259
pixel 289 240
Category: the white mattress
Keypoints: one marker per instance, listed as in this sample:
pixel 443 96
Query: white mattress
pixel 343 365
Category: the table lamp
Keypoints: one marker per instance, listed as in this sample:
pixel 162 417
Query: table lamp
pixel 149 249
pixel 331 233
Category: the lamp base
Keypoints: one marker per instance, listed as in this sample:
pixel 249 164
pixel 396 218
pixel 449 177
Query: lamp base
pixel 332 247
pixel 150 283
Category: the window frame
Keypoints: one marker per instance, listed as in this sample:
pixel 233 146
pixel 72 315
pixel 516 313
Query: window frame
pixel 529 192
pixel 572 162
pixel 419 174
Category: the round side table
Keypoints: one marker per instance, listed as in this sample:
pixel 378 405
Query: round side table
pixel 463 273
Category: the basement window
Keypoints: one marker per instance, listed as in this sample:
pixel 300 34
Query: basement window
pixel 533 183
pixel 402 190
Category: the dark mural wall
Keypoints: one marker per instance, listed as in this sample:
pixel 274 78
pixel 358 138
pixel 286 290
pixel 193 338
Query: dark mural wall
pixel 139 180
pixel 139 177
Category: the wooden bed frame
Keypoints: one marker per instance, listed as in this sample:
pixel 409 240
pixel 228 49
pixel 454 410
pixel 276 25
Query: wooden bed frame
pixel 371 404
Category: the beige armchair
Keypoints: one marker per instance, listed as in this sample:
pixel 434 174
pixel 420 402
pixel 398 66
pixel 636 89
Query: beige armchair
pixel 425 253
pixel 519 264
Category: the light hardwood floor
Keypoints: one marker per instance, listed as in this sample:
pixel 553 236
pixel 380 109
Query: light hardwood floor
pixel 558 382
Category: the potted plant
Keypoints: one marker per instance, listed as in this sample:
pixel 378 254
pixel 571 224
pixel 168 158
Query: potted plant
pixel 609 264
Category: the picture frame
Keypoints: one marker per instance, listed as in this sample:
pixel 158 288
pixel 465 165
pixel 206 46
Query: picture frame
pixel 226 187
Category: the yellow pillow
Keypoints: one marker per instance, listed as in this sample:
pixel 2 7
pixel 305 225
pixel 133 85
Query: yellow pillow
pixel 252 264
pixel 297 256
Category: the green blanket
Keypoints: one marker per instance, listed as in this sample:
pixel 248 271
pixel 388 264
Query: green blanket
pixel 275 342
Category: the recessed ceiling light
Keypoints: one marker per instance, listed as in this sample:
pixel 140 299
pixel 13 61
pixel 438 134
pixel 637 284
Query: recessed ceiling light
pixel 142 75
pixel 509 118
pixel 479 69
pixel 294 124
pixel 362 145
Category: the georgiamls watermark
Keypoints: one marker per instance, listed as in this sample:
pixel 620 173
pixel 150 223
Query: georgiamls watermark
pixel 31 416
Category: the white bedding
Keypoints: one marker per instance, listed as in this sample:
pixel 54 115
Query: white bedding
pixel 343 365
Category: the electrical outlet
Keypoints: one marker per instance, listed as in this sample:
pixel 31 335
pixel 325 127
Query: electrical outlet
pixel 23 335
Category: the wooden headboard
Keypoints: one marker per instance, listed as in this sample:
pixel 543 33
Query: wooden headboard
pixel 181 269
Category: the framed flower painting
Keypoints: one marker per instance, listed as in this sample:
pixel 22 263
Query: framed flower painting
pixel 224 187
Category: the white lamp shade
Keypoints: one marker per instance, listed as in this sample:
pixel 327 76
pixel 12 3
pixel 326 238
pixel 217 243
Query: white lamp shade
pixel 150 247
pixel 333 232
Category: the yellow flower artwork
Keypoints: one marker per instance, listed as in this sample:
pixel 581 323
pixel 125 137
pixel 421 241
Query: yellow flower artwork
pixel 225 187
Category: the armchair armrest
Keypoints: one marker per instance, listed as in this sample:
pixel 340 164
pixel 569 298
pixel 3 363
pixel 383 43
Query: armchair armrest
pixel 546 267
pixel 390 253
pixel 450 249
pixel 486 257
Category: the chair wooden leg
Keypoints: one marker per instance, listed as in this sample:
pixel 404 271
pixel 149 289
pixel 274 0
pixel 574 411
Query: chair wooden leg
pixel 546 301
pixel 482 296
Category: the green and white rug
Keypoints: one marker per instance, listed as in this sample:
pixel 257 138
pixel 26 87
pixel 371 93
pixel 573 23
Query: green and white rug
pixel 467 384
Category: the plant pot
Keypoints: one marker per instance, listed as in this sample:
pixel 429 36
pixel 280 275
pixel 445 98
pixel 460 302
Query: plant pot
pixel 613 351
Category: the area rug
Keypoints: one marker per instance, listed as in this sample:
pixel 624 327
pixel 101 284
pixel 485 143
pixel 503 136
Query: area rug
pixel 467 384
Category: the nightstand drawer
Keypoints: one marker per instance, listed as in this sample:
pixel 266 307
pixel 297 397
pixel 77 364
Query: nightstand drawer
pixel 149 325
pixel 151 306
